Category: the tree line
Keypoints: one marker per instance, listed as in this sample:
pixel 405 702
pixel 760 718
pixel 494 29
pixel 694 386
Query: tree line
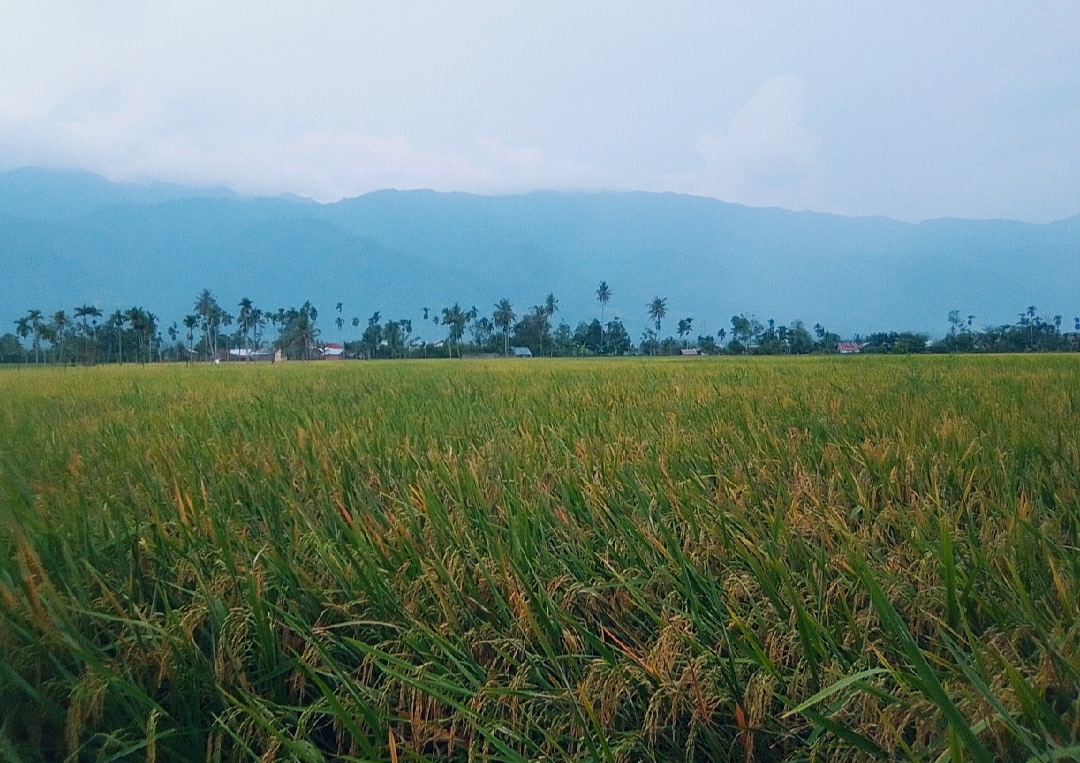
pixel 212 332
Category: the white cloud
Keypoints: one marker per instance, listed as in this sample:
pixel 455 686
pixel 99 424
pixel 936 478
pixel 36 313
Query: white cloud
pixel 766 157
pixel 139 143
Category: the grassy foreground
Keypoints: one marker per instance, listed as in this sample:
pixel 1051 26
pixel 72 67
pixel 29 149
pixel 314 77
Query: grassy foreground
pixel 760 559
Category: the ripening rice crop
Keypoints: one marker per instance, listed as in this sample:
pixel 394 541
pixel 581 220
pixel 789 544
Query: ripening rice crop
pixel 731 559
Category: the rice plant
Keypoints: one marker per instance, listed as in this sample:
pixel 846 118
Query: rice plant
pixel 641 560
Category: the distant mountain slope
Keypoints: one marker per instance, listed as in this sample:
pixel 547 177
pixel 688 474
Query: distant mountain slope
pixel 69 238
pixel 58 194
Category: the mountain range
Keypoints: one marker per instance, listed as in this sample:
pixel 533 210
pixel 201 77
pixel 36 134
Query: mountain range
pixel 69 238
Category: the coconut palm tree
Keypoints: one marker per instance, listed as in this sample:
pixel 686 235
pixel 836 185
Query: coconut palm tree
pixel 190 322
pixel 455 319
pixel 134 317
pixel 308 334
pixel 603 296
pixel 658 311
pixel 23 330
pixel 549 308
pixel 392 334
pixel 48 333
pixel 84 313
pixel 245 318
pixel 36 325
pixel 210 317
pixel 149 327
pixel 117 321
pixel 260 324
pixel 59 327
pixel 503 318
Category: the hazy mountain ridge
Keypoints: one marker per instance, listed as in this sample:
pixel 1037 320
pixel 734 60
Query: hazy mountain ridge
pixel 69 238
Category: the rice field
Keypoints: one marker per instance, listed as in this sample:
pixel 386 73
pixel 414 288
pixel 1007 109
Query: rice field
pixel 757 559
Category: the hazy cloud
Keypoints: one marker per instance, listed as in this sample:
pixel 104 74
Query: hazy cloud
pixel 325 164
pixel 910 110
pixel 765 156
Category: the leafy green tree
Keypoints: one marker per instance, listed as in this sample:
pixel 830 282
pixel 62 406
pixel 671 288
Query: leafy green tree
pixel 587 337
pixel 650 344
pixel 562 340
pixel 533 330
pixel 744 330
pixel 707 345
pixel 11 351
pixel 684 329
pixel 799 340
pixel 895 343
pixel 617 338
pixel 955 321
pixel 373 335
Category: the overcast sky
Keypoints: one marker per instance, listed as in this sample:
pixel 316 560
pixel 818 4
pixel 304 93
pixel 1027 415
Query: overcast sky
pixel 911 110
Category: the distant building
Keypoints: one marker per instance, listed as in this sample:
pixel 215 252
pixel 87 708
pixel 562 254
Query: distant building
pixel 242 353
pixel 690 351
pixel 521 352
pixel 848 348
pixel 332 351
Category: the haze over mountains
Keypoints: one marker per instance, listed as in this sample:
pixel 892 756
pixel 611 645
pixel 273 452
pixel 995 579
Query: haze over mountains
pixel 68 238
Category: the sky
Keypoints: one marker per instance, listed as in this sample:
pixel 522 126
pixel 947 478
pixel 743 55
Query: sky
pixel 911 110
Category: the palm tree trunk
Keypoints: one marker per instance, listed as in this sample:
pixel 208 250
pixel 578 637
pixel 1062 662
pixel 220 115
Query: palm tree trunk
pixel 601 328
